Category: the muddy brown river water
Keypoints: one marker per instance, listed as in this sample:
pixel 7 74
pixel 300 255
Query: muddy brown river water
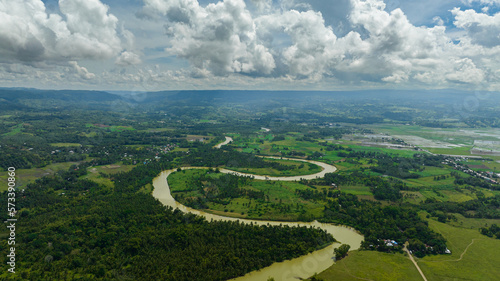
pixel 290 270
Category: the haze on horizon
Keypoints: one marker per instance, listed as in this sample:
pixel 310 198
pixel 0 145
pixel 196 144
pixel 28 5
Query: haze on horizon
pixel 154 45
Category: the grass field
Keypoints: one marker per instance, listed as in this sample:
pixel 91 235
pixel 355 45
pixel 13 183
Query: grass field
pixel 398 152
pixel 474 256
pixel 414 197
pixel 94 173
pixel 148 189
pixel 178 181
pixel 15 130
pixel 435 171
pixel 370 265
pixel 429 182
pixel 427 177
pixel 465 151
pixel 444 193
pixel 65 144
pixel 89 135
pixel 469 223
pixel 346 165
pixel 441 190
pixel 280 203
pixel 25 176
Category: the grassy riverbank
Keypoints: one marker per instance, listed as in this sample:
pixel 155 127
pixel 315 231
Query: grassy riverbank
pixel 297 168
pixel 276 200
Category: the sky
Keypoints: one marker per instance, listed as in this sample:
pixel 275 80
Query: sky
pixel 152 45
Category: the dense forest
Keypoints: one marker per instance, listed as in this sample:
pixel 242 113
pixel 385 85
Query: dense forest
pixel 379 223
pixel 210 157
pixel 77 229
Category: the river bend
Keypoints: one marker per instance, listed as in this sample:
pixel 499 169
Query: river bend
pixel 290 270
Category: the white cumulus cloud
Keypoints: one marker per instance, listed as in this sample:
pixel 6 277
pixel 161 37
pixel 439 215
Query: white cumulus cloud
pixel 312 49
pixel 220 37
pixel 482 2
pixel 292 41
pixel 246 42
pixel 395 45
pixel 84 30
pixel 481 28
pixel 128 58
pixel 81 71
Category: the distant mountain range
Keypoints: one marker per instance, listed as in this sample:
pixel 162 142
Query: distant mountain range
pixel 28 98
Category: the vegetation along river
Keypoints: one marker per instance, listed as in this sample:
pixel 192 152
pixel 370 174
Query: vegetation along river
pixel 290 270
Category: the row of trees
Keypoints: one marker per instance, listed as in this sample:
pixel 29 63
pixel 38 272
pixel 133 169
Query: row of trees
pixel 382 188
pixel 478 208
pixel 493 230
pixel 210 157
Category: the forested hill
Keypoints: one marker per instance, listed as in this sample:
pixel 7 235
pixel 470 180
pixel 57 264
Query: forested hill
pixel 195 97
pixel 21 95
pixel 24 98
pixel 425 108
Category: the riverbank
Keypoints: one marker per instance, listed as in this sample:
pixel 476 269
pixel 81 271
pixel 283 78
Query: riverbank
pixel 327 168
pixel 228 140
pixel 290 270
pixel 301 267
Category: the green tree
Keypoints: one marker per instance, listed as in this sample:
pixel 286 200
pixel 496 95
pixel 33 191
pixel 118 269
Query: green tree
pixel 341 251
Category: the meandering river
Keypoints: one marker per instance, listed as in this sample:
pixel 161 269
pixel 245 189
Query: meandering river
pixel 290 270
pixel 228 140
pixel 326 169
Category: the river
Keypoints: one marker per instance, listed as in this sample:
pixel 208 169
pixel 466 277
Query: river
pixel 326 169
pixel 290 270
pixel 228 140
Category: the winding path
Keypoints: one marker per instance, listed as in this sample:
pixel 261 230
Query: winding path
pixel 461 255
pixel 415 263
pixel 290 270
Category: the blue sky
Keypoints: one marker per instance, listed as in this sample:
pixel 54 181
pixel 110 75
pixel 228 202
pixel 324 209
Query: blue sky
pixel 147 45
